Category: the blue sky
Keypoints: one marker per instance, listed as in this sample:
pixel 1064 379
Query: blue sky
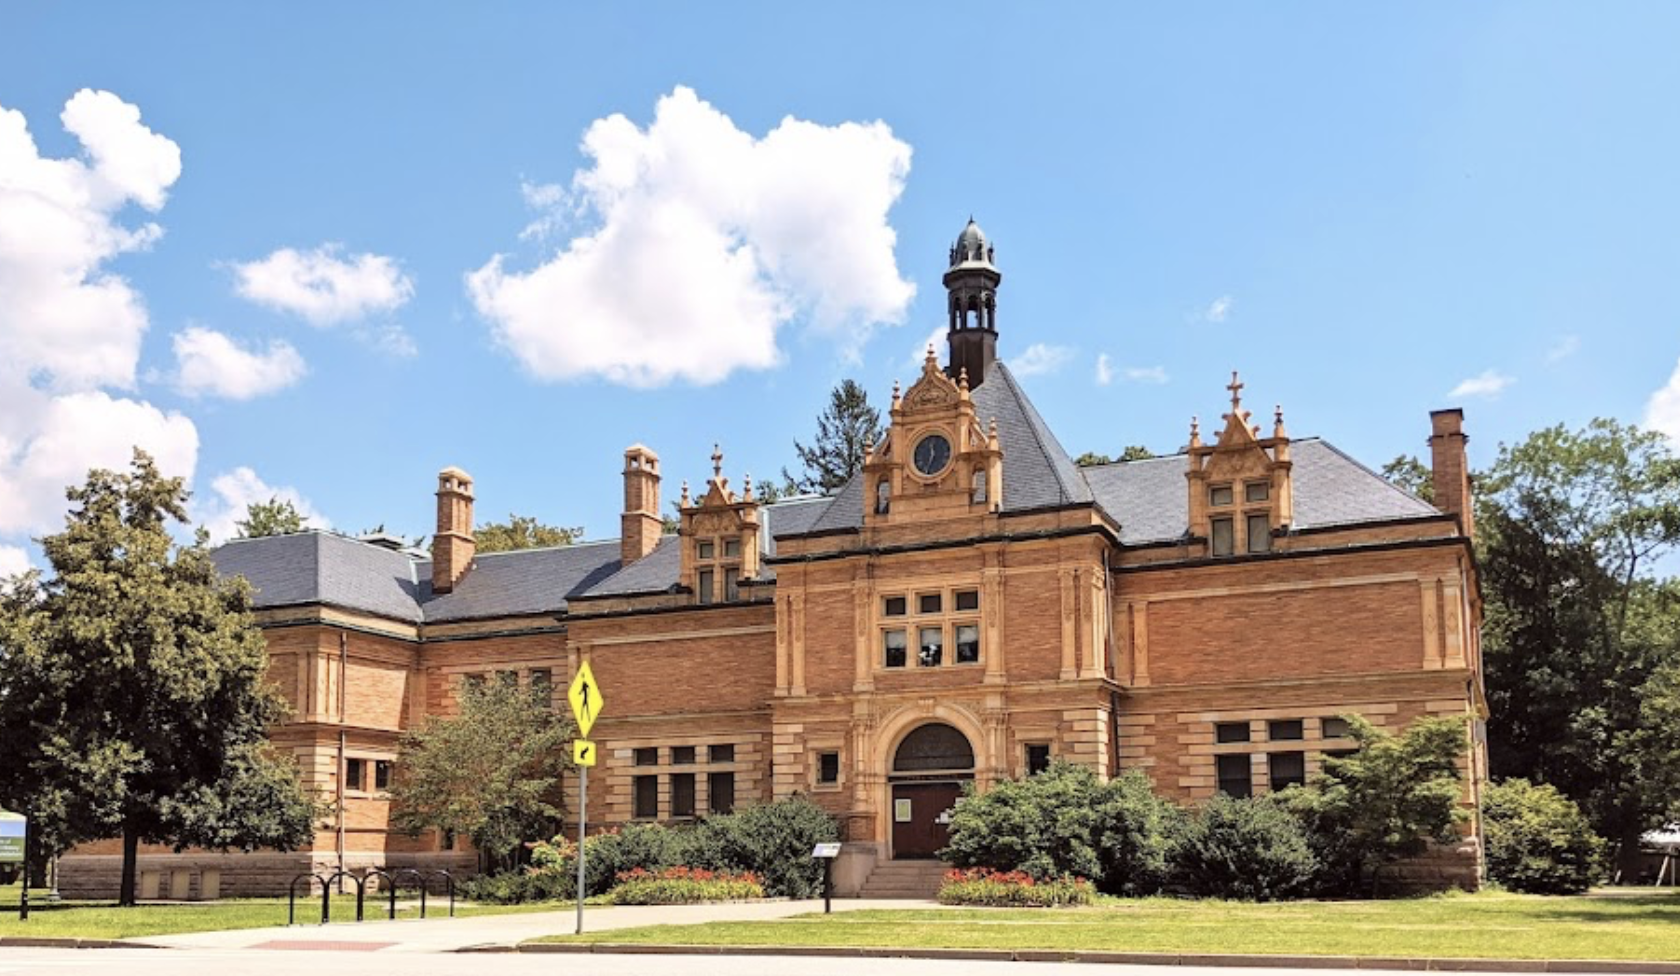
pixel 1371 212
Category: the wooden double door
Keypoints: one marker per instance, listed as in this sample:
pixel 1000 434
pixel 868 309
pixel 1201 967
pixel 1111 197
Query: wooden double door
pixel 921 817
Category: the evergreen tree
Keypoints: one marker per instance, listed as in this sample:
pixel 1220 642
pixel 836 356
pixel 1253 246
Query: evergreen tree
pixel 845 429
pixel 522 532
pixel 276 516
pixel 133 691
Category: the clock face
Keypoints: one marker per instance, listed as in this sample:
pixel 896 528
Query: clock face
pixel 933 453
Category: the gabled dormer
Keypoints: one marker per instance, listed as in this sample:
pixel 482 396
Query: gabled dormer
pixel 1240 492
pixel 719 538
pixel 936 460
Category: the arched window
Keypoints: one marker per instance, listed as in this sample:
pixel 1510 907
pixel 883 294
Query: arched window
pixel 883 496
pixel 935 746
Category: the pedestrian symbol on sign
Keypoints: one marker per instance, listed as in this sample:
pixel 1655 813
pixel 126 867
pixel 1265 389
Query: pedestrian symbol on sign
pixel 586 698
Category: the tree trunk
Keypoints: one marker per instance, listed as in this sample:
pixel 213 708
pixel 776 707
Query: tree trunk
pixel 1628 854
pixel 131 859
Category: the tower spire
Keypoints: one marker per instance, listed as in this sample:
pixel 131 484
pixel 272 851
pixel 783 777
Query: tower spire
pixel 971 282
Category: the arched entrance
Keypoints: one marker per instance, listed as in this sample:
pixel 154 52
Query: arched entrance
pixel 928 772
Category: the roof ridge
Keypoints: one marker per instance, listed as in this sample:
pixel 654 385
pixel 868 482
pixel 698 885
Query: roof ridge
pixel 1375 474
pixel 568 545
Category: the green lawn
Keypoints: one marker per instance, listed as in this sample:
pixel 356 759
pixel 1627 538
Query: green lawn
pixel 1488 925
pixel 104 920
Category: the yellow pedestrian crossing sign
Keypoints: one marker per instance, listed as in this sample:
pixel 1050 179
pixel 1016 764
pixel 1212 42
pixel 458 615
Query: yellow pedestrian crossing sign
pixel 585 696
pixel 583 752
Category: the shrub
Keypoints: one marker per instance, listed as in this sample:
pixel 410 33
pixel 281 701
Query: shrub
pixel 683 886
pixel 1248 849
pixel 1538 840
pixel 984 886
pixel 1137 832
pixel 773 841
pixel 518 887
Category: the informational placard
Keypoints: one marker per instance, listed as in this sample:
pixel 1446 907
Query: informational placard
pixel 826 850
pixel 13 827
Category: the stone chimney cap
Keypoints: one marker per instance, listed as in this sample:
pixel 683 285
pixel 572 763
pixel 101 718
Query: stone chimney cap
pixel 456 473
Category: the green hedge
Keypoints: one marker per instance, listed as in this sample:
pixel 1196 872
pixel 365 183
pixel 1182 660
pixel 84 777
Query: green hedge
pixel 1249 849
pixel 1538 840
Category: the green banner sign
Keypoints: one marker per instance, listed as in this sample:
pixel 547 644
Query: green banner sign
pixel 12 827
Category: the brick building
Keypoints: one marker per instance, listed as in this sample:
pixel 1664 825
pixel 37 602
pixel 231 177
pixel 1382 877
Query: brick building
pixel 969 606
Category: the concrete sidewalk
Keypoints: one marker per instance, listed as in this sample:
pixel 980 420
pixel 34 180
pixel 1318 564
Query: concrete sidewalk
pixel 444 934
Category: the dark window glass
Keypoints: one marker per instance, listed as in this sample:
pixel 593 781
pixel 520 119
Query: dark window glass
pixel 703 583
pixel 474 680
pixel 1287 768
pixel 1223 540
pixel 1231 732
pixel 895 644
pixel 706 550
pixel 1236 775
pixel 1259 533
pixel 381 774
pixel 508 679
pixel 968 599
pixel 720 790
pixel 647 756
pixel 933 746
pixel 968 643
pixel 682 794
pixel 932 647
pixel 731 585
pixel 1219 495
pixel 1335 728
pixel 447 842
pixel 929 603
pixel 828 767
pixel 893 606
pixel 542 679
pixel 645 805
pixel 682 755
pixel 1287 730
pixel 721 753
pixel 1339 753
pixel 1256 491
pixel 731 548
pixel 1038 757
pixel 353 774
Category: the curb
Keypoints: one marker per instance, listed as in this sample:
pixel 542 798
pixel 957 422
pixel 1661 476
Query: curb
pixel 1606 966
pixel 32 942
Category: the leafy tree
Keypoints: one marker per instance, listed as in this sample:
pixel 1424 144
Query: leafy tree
pixel 1407 472
pixel 844 429
pixel 277 516
pixel 1133 452
pixel 1537 840
pixel 522 532
pixel 1136 452
pixel 1572 523
pixel 133 693
pixel 1386 801
pixel 1091 459
pixel 491 773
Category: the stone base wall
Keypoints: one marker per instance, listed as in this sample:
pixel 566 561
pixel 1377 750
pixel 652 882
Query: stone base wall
pixel 1442 868
pixel 205 876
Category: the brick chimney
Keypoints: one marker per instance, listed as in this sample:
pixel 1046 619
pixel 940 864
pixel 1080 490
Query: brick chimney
pixel 1451 467
pixel 452 544
pixel 640 526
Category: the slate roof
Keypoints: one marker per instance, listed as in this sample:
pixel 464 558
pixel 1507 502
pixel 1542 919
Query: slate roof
pixel 655 572
pixel 524 581
pixel 320 567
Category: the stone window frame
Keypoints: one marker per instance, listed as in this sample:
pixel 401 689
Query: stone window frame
pixel 370 760
pixel 911 622
pixel 1239 510
pixel 719 565
pixel 1313 744
pixel 664 766
pixel 1027 746
pixel 816 748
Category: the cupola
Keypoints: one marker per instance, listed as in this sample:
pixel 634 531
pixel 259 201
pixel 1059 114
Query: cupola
pixel 971 281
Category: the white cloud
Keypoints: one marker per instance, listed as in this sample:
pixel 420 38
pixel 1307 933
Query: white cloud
pixel 1490 383
pixel 211 363
pixel 234 491
pixel 323 288
pixel 1146 374
pixel 1563 349
pixel 13 560
pixel 1220 309
pixel 1040 358
pixel 918 354
pixel 1662 411
pixel 703 241
pixel 1105 370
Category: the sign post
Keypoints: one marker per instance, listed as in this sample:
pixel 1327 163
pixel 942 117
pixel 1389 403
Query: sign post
pixel 586 699
pixel 826 853
pixel 14 849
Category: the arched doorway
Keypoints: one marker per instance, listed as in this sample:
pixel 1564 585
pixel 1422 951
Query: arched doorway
pixel 928 772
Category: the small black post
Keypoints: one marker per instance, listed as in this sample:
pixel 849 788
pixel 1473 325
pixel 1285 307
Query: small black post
pixel 828 885
pixel 360 891
pixel 326 901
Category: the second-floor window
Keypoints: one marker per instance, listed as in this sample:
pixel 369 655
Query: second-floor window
pixel 941 626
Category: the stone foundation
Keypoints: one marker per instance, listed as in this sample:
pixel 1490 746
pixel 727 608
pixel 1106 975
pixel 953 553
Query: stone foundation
pixel 205 876
pixel 1442 868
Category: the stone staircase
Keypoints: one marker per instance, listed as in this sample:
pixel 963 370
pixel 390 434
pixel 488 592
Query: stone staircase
pixel 904 879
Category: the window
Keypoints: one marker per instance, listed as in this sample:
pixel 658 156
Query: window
pixel 705 550
pixel 542 685
pixel 682 755
pixel 1286 769
pixel 447 841
pixel 1230 732
pixel 720 792
pixel 720 754
pixel 731 548
pixel 894 640
pixel 968 643
pixel 703 583
pixel 645 802
pixel 647 756
pixel 1255 491
pixel 731 584
pixel 1236 775
pixel 382 774
pixel 968 599
pixel 1223 542
pixel 928 603
pixel 1220 495
pixel 1259 533
pixel 507 679
pixel 978 494
pixel 932 647
pixel 682 794
pixel 1285 731
pixel 354 773
pixel 474 681
pixel 893 606
pixel 883 496
pixel 1038 757
pixel 828 767
pixel 1335 728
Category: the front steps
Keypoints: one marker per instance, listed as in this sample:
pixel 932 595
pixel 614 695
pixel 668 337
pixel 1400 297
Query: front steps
pixel 905 879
